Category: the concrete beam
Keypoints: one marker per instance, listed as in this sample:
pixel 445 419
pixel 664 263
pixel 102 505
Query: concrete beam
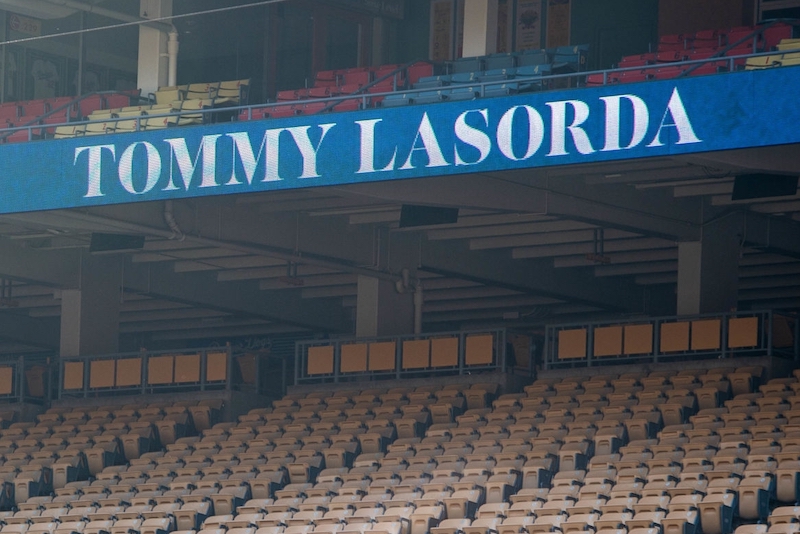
pixel 530 277
pixel 239 299
pixel 52 268
pixel 41 333
pixel 778 235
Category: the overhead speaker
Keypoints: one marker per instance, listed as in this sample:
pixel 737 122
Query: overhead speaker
pixel 411 215
pixel 763 185
pixel 111 243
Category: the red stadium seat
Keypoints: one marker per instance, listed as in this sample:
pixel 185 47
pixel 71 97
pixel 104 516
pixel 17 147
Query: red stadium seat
pixel 665 73
pixel 313 107
pixel 89 104
pixel 318 92
pixel 282 111
pixel 351 104
pixel 774 34
pixel 594 80
pixel 9 111
pixel 706 39
pixel 356 76
pixel 746 34
pixel 633 76
pixel 668 43
pixel 117 101
pixel 346 89
pixel 637 60
pixel 20 136
pixel 417 71
pixel 289 95
pixel 326 78
pixel 709 68
pixel 670 56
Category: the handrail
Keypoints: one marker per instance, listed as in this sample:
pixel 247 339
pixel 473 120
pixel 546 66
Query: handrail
pixel 373 83
pixel 648 344
pixel 391 360
pixel 76 373
pixel 38 121
pixel 721 53
pixel 335 100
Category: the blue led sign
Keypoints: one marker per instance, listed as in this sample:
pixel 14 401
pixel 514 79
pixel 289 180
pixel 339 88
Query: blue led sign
pixel 699 114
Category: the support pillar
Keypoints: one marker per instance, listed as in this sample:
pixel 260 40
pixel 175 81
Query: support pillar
pixel 153 69
pixel 708 270
pixel 381 310
pixel 90 313
pixel 480 28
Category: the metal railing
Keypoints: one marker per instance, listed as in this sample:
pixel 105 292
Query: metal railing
pixel 544 82
pixel 442 353
pixel 663 339
pixel 149 372
pixel 26 378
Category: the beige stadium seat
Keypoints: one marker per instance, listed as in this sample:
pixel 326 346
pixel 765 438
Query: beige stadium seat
pixel 612 520
pixel 71 527
pixel 681 522
pixel 516 524
pixel 784 528
pixel 548 523
pixel 647 519
pixel 754 497
pixel 124 526
pixel 451 526
pixel 784 514
pixel 484 525
pixel 463 503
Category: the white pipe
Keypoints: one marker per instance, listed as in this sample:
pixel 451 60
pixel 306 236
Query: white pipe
pixel 418 300
pixel 169 218
pixel 172 51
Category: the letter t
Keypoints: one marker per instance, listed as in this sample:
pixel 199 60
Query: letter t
pixel 95 163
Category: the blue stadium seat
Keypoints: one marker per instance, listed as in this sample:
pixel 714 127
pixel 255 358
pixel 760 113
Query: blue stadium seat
pixel 431 82
pixel 496 75
pixel 429 97
pixel 461 93
pixel 396 100
pixel 534 72
pixel 467 64
pixel 503 89
pixel 533 57
pixel 569 58
pixel 464 77
pixel 503 60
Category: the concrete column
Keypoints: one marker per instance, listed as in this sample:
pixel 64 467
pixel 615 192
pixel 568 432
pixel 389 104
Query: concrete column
pixel 480 28
pixel 381 310
pixel 153 69
pixel 708 270
pixel 90 313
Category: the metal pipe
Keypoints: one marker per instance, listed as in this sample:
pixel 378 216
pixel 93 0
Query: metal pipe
pixel 172 51
pixel 418 301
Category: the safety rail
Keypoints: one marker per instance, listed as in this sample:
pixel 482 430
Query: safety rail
pixel 25 378
pixel 442 353
pixel 148 372
pixel 545 82
pixel 661 339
